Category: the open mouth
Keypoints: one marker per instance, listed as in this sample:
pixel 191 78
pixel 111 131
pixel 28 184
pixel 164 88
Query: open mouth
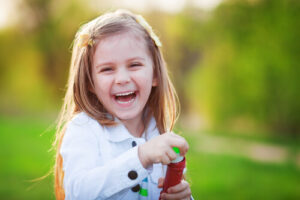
pixel 126 97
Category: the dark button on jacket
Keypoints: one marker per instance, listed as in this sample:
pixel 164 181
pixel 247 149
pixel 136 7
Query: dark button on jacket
pixel 132 174
pixel 133 143
pixel 136 188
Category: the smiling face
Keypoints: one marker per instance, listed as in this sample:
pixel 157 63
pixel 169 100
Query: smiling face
pixel 122 73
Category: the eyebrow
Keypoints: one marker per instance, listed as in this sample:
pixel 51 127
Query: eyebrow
pixel 111 63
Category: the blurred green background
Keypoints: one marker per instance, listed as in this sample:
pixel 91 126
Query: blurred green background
pixel 235 65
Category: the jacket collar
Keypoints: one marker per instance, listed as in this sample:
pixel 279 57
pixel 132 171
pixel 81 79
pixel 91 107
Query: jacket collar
pixel 120 133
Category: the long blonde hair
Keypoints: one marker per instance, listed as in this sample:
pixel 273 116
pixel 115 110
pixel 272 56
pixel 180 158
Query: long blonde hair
pixel 162 103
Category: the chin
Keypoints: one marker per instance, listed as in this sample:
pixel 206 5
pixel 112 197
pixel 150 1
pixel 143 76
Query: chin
pixel 125 116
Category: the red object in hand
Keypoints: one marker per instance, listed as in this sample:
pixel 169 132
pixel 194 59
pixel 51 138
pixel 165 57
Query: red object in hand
pixel 174 175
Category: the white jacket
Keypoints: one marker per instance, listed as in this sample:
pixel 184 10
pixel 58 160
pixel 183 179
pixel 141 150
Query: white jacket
pixel 102 162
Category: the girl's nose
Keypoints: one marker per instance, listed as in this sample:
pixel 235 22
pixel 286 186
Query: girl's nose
pixel 122 77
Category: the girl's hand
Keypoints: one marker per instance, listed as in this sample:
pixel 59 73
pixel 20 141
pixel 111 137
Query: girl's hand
pixel 159 149
pixel 181 191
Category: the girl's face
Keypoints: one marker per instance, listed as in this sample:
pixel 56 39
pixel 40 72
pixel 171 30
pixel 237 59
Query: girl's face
pixel 122 73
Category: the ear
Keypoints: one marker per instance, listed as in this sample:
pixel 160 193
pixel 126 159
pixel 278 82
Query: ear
pixel 154 82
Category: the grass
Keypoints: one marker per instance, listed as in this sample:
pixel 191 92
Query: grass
pixel 226 177
pixel 25 156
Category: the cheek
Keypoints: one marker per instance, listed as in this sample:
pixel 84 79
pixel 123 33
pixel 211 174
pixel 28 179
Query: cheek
pixel 146 77
pixel 146 86
pixel 102 87
pixel 145 82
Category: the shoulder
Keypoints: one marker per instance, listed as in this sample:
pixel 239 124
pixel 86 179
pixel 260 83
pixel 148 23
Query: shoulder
pixel 80 141
pixel 81 119
pixel 82 126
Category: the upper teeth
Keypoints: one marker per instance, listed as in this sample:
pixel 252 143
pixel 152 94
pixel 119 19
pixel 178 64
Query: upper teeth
pixel 124 94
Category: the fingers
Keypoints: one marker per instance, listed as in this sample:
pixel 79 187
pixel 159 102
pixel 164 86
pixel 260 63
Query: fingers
pixel 161 149
pixel 186 194
pixel 177 141
pixel 180 191
pixel 168 156
pixel 165 160
pixel 161 182
pixel 179 187
pixel 171 154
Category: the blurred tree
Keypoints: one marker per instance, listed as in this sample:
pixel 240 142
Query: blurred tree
pixel 249 71
pixel 237 65
pixel 34 72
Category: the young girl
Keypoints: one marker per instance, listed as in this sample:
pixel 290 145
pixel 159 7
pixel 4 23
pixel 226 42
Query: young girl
pixel 113 138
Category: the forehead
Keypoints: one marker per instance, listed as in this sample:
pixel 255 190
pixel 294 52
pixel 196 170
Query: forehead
pixel 121 46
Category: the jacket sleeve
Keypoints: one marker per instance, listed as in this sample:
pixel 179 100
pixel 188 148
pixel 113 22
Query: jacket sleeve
pixel 84 178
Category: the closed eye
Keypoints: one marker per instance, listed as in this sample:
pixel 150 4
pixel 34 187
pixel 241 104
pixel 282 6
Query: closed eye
pixel 106 69
pixel 136 64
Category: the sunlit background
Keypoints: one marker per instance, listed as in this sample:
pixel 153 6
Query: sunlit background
pixel 235 65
